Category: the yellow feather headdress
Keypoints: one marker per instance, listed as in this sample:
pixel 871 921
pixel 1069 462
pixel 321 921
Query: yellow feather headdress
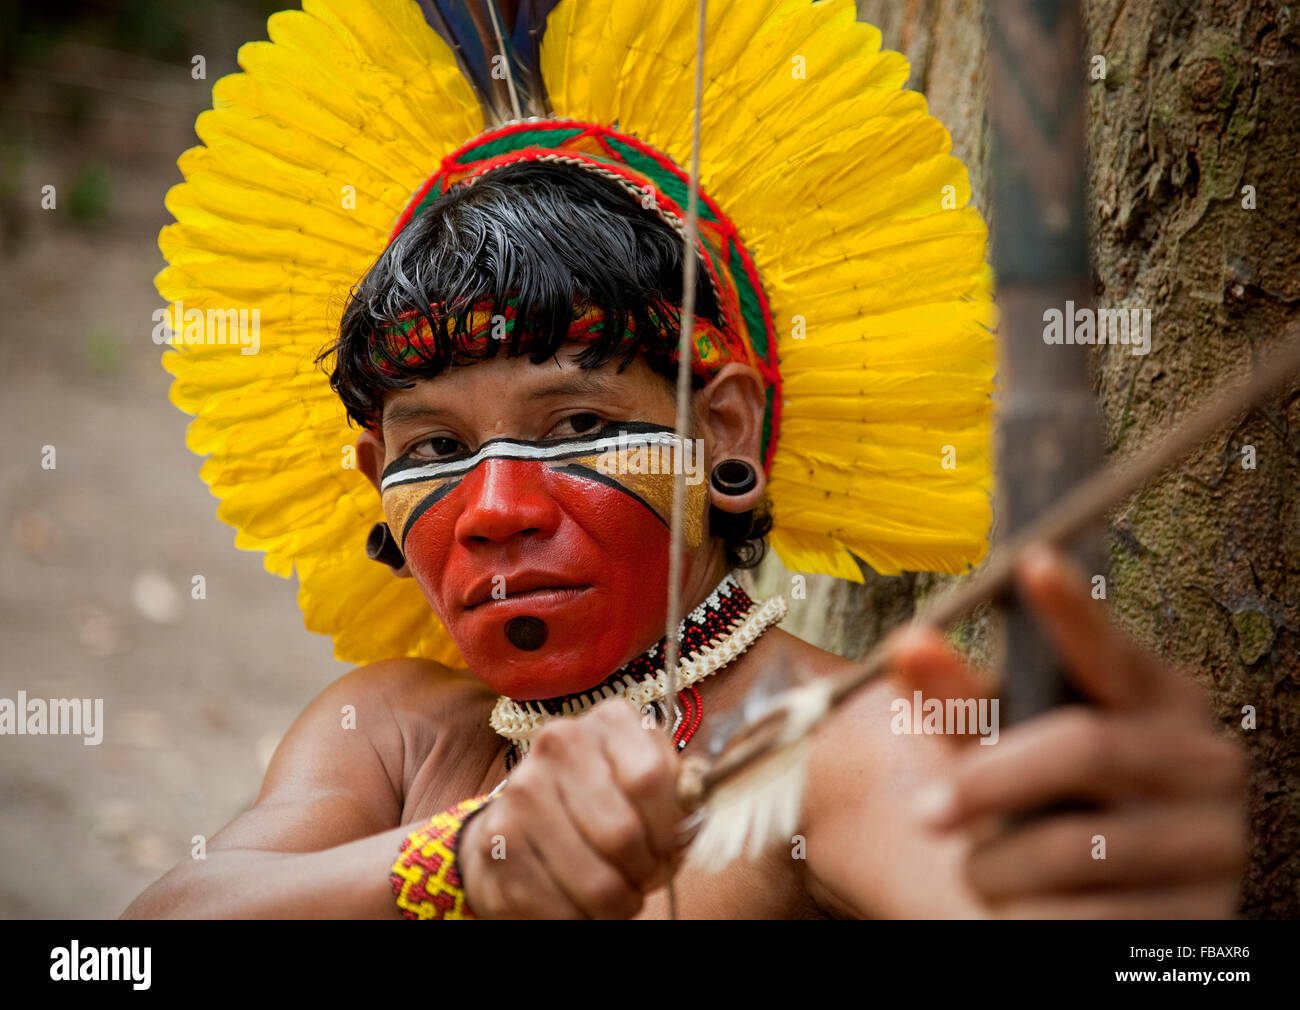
pixel 838 181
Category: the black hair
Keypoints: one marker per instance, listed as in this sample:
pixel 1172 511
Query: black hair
pixel 552 238
pixel 548 236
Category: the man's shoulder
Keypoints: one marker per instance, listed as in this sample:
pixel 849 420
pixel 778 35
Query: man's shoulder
pixel 405 681
pixel 806 662
pixel 857 730
pixel 806 659
pixel 405 695
pixel 401 708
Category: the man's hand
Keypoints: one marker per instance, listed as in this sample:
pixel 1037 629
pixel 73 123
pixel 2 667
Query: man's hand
pixel 1143 770
pixel 586 827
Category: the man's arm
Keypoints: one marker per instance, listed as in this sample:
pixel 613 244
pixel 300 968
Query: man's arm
pixel 1147 798
pixel 868 854
pixel 325 827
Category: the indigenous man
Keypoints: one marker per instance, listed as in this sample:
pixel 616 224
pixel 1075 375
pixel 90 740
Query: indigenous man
pixel 510 360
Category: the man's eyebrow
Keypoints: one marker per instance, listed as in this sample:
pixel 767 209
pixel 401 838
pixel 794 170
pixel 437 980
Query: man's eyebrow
pixel 582 382
pixel 402 412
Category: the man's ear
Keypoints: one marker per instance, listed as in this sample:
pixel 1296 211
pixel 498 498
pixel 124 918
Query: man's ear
pixel 370 456
pixel 370 461
pixel 731 408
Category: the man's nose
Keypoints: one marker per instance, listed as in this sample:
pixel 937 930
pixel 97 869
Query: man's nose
pixel 506 498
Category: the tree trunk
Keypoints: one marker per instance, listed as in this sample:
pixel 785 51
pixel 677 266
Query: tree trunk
pixel 1195 150
pixel 1195 177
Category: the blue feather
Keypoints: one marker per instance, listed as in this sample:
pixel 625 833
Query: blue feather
pixel 530 25
pixel 468 27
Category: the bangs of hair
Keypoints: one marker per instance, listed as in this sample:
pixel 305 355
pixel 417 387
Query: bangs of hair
pixel 543 241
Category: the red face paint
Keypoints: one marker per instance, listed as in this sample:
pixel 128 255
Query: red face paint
pixel 504 536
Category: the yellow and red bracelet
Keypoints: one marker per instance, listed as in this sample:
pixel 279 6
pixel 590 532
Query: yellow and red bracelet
pixel 426 880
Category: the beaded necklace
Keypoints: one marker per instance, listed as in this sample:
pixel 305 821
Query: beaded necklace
pixel 712 636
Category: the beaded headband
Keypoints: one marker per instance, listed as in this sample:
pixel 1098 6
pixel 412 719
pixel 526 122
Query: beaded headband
pixel 411 338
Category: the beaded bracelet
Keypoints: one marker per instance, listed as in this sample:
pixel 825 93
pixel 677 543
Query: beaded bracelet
pixel 426 880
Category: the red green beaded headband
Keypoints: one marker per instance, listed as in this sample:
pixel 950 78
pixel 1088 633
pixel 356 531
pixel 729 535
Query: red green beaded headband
pixel 409 338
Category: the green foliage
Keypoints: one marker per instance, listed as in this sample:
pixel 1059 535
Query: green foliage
pixel 104 351
pixel 91 195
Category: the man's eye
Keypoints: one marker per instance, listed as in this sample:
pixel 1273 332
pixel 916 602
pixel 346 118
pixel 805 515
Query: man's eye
pixel 436 448
pixel 581 423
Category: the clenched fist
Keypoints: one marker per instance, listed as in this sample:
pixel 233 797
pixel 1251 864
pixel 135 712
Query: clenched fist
pixel 586 827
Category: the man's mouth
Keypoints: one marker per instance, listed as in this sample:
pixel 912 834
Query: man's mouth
pixel 536 588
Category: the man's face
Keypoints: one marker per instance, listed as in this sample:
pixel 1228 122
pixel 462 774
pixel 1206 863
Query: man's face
pixel 514 532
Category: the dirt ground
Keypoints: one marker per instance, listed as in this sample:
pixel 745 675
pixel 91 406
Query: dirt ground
pixel 98 554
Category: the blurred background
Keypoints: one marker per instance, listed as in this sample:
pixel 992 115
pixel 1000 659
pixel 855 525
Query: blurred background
pixel 98 555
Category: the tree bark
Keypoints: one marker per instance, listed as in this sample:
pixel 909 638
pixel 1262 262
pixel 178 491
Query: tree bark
pixel 1199 102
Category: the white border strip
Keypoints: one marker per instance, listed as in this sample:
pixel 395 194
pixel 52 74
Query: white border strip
pixel 528 450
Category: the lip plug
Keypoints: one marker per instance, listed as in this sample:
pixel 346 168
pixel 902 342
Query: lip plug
pixel 526 633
